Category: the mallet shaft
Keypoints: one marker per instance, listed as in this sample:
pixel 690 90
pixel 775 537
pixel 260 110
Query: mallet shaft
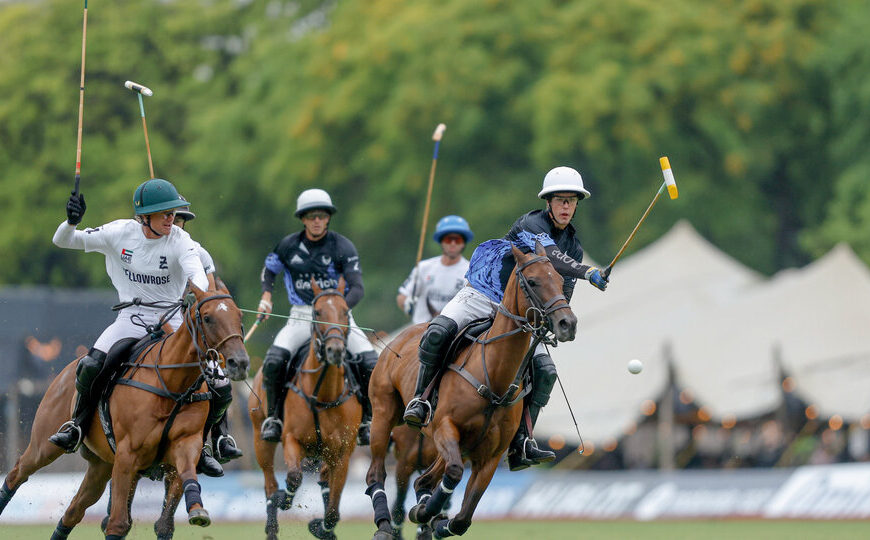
pixel 78 176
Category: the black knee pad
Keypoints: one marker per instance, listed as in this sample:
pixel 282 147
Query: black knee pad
pixel 543 378
pixel 436 339
pixel 274 361
pixel 88 368
pixel 368 360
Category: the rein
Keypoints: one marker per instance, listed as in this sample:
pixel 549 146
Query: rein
pixel 319 346
pixel 540 334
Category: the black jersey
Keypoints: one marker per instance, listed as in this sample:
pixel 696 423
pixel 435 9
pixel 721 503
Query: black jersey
pixel 492 262
pixel 325 260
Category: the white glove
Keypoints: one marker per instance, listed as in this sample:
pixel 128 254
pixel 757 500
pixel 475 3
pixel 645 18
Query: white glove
pixel 409 304
pixel 264 308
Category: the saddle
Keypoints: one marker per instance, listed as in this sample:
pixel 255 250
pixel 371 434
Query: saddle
pixel 124 350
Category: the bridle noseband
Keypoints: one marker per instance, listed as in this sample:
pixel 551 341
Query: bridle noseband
pixel 538 306
pixel 197 333
pixel 320 337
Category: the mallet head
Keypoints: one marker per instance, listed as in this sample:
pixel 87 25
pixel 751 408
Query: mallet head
pixel 136 87
pixel 439 132
pixel 669 177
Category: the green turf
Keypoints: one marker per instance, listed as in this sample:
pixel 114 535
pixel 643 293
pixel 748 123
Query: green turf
pixel 508 530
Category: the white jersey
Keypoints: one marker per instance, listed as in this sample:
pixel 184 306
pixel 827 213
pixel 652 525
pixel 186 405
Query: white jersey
pixel 154 270
pixel 436 286
pixel 205 258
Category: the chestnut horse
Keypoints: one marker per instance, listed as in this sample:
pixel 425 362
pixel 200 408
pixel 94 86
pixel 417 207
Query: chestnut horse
pixel 165 383
pixel 474 420
pixel 321 417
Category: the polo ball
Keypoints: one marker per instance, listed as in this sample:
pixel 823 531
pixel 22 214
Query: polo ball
pixel 635 366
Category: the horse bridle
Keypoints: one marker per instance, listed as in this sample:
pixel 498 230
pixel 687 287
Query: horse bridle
pixel 196 331
pixel 544 309
pixel 320 337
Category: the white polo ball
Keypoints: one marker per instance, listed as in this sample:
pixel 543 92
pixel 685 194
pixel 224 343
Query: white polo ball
pixel 635 366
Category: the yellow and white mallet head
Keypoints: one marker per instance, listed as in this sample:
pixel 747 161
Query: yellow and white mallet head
pixel 669 177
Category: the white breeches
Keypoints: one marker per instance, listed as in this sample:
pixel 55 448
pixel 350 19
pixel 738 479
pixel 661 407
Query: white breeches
pixel 298 329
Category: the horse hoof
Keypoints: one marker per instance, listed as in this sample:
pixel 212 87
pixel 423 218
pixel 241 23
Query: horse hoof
pixel 104 524
pixel 424 532
pixel 317 528
pixel 417 514
pixel 382 535
pixel 199 517
pixel 397 533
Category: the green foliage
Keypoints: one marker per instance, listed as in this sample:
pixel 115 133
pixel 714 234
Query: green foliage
pixel 760 105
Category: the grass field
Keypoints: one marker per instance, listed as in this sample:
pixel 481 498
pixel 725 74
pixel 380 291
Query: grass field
pixel 506 530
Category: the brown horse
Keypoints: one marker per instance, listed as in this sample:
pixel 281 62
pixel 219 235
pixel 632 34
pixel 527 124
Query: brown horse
pixel 321 417
pixel 158 416
pixel 476 421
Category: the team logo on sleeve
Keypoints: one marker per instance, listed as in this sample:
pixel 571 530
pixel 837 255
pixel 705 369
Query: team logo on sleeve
pixel 326 259
pixel 126 255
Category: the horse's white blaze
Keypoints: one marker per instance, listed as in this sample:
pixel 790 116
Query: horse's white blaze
pixel 222 307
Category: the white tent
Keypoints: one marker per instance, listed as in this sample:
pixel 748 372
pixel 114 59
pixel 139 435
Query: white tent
pixel 651 296
pixel 818 318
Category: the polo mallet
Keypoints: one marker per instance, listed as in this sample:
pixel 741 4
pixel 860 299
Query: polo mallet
pixel 81 102
pixel 140 91
pixel 672 192
pixel 251 331
pixel 439 132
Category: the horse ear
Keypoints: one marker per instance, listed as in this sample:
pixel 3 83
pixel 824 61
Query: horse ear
pixel 315 288
pixel 342 284
pixel 539 249
pixel 518 255
pixel 219 285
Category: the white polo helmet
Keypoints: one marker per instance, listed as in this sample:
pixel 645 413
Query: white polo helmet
pixel 563 179
pixel 314 199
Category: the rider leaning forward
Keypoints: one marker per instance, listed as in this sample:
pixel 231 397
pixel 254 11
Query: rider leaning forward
pixel 150 262
pixel 318 253
pixel 490 268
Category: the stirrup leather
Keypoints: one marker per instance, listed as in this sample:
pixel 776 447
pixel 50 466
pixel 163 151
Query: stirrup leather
pixel 70 425
pixel 428 416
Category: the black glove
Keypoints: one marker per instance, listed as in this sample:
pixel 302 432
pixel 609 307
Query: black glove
pixel 75 208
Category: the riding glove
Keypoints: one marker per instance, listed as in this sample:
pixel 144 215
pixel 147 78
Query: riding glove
pixel 409 304
pixel 75 208
pixel 596 277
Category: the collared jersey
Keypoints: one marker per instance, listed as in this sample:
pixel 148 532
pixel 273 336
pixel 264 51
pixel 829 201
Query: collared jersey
pixel 492 262
pixel 154 270
pixel 436 285
pixel 325 260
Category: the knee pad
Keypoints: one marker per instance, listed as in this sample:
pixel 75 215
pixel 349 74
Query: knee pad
pixel 543 378
pixel 274 361
pixel 436 339
pixel 88 369
pixel 368 360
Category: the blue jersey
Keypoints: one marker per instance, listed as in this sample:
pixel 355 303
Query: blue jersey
pixel 492 262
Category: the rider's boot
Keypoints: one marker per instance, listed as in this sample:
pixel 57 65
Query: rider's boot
pixel 367 362
pixel 433 346
pixel 70 434
pixel 524 450
pixel 273 364
pixel 223 445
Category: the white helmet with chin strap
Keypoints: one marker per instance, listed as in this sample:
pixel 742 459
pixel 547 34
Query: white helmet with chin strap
pixel 314 199
pixel 563 179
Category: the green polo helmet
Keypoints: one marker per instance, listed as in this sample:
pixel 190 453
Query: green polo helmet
pixel 156 195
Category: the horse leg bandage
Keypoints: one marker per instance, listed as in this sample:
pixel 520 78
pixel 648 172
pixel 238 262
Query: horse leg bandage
pixel 436 502
pixel 192 493
pixel 6 494
pixel 324 492
pixel 61 532
pixel 379 502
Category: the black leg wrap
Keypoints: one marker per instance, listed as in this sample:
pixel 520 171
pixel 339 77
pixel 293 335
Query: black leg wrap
pixel 442 493
pixel 114 537
pixel 448 527
pixel 379 502
pixel 6 494
pixel 324 491
pixel 61 532
pixel 192 493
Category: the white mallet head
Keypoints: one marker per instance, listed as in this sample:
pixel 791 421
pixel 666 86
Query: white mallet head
pixel 635 366
pixel 439 132
pixel 669 177
pixel 136 87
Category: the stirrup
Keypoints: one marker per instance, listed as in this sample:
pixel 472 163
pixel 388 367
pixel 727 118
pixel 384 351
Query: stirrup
pixel 217 448
pixel 427 417
pixel 70 425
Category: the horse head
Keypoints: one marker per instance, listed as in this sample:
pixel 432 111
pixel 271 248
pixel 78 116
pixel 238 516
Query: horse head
pixel 331 322
pixel 542 299
pixel 215 323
